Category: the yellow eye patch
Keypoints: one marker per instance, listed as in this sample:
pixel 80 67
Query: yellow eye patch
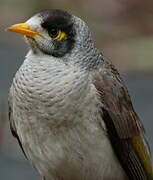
pixel 60 36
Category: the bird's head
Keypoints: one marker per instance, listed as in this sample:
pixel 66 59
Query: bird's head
pixel 59 34
pixel 54 32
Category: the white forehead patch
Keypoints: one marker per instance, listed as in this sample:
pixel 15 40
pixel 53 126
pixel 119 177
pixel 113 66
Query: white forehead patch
pixel 34 22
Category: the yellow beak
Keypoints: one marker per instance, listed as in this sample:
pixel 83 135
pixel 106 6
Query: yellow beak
pixel 24 29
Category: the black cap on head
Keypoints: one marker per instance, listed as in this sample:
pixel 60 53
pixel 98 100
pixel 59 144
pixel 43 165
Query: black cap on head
pixel 59 20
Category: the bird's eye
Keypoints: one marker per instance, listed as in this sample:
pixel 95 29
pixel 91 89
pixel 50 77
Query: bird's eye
pixel 53 32
pixel 56 34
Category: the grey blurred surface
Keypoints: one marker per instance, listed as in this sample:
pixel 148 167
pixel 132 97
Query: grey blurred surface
pixel 12 169
pixel 140 87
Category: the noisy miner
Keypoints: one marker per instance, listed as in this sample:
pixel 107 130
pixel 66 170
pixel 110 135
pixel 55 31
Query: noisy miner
pixel 69 107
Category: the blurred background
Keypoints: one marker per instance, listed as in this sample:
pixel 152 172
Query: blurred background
pixel 122 29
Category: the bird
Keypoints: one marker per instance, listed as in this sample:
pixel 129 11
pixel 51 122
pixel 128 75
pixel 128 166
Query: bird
pixel 69 108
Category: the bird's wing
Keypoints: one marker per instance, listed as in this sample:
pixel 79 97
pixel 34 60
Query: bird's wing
pixel 12 123
pixel 124 128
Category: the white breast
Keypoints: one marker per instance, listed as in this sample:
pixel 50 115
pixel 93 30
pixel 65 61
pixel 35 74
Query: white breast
pixel 56 113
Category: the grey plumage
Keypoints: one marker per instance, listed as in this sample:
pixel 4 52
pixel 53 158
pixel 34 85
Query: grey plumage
pixel 70 109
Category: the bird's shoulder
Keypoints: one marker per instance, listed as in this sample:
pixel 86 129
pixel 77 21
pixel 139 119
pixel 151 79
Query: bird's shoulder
pixel 116 100
pixel 123 125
